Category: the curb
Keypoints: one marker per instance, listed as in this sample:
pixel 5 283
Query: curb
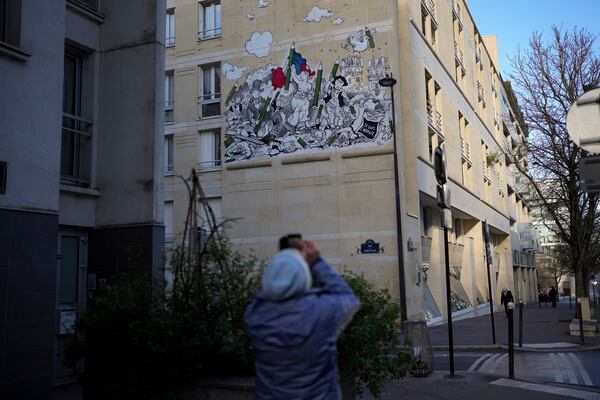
pixel 501 347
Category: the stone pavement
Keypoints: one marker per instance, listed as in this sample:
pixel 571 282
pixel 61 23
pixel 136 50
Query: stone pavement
pixel 543 328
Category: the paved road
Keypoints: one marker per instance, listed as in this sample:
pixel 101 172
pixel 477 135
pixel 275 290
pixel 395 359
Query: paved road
pixel 568 367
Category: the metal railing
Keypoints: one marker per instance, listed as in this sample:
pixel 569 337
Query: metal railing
pixel 210 33
pixel 460 60
pixel 486 172
pixel 434 118
pixel 480 93
pixel 465 150
pixel 76 150
pixel 207 100
pixel 170 41
pixel 496 121
pixel 169 110
pixel 430 7
pixel 478 59
pixel 457 13
pixel 90 5
pixel 209 165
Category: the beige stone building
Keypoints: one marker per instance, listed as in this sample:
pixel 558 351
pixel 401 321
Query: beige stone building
pixel 277 104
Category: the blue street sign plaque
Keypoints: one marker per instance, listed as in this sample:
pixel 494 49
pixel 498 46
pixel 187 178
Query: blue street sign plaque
pixel 369 247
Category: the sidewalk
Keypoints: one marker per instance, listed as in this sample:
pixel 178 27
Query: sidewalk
pixel 544 327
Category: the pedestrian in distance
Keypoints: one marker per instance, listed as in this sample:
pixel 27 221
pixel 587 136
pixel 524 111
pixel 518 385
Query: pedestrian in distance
pixel 506 298
pixel 294 327
pixel 553 294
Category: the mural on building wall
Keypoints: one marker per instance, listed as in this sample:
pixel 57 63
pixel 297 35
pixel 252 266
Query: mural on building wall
pixel 316 14
pixel 299 105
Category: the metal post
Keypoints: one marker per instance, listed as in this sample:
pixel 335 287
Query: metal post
pixel 511 343
pixel 448 303
pixel 580 321
pixel 520 323
pixel 491 301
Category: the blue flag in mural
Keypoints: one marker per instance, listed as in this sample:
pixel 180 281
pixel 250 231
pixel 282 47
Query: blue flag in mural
pixel 300 64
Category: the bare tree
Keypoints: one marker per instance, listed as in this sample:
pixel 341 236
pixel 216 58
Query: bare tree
pixel 549 76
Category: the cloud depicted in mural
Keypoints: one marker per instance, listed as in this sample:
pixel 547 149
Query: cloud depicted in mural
pixel 260 43
pixel 361 40
pixel 263 4
pixel 338 21
pixel 301 106
pixel 233 72
pixel 249 17
pixel 316 14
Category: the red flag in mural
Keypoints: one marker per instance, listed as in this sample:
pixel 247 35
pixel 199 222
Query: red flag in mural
pixel 278 80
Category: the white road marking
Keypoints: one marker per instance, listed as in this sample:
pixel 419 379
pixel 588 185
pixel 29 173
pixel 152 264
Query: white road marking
pixel 560 391
pixel 478 361
pixel 489 362
pixel 566 366
pixel 558 377
pixel 581 369
pixel 498 361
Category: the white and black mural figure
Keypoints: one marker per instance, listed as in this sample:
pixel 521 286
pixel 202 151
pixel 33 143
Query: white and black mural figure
pixel 298 107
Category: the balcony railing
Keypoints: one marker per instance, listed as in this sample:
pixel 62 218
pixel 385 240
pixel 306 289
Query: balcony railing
pixel 210 105
pixel 210 33
pixel 76 151
pixel 434 118
pixel 457 12
pixel 465 150
pixel 486 172
pixel 480 93
pixel 478 59
pixel 170 41
pixel 493 85
pixel 430 7
pixel 169 169
pixel 209 165
pixel 169 107
pixel 90 5
pixel 460 60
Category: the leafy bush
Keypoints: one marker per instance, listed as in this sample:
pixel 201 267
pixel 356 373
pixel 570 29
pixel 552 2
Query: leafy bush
pixel 370 350
pixel 145 340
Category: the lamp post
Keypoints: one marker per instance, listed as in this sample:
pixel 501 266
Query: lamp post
pixel 389 81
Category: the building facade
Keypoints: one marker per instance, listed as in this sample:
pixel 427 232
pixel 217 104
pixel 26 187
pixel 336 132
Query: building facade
pixel 81 199
pixel 278 105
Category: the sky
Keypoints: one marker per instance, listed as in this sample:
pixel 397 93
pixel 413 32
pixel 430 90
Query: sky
pixel 515 20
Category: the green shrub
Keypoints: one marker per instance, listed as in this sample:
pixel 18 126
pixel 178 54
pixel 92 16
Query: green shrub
pixel 370 350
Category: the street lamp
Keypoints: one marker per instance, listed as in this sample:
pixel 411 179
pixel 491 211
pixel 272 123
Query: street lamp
pixel 594 283
pixel 388 82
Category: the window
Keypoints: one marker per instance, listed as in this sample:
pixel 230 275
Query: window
pixel 210 20
pixel 169 96
pixel 426 219
pixel 209 150
pixel 10 22
pixel 170 31
pixel 76 144
pixel 210 101
pixel 169 155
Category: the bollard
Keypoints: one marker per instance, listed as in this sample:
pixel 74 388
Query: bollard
pixel 580 321
pixel 521 323
pixel 511 342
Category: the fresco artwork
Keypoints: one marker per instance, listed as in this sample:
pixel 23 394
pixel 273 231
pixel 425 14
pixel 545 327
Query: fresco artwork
pixel 299 106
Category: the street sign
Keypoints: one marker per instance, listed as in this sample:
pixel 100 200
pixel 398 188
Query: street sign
pixel 589 174
pixel 583 121
pixel 439 164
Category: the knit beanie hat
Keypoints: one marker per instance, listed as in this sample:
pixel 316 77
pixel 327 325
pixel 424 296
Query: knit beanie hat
pixel 287 275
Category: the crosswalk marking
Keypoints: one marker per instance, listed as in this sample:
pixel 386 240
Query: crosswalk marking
pixel 584 375
pixel 489 362
pixel 578 394
pixel 498 361
pixel 558 377
pixel 478 361
pixel 566 366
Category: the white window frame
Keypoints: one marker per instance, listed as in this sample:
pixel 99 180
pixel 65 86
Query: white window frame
pixel 169 152
pixel 170 28
pixel 213 140
pixel 212 96
pixel 169 97
pixel 209 27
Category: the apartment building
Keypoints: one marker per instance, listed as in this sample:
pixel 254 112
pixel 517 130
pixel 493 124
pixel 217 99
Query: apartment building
pixel 278 105
pixel 81 125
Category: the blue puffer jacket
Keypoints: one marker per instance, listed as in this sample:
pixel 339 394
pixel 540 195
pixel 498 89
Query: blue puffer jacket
pixel 295 340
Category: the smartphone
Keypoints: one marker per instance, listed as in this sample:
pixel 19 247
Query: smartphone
pixel 292 240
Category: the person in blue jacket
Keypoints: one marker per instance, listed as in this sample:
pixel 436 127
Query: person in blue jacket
pixel 294 327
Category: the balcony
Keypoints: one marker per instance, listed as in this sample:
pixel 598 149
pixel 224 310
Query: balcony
pixel 429 6
pixel 460 60
pixel 480 93
pixel 170 41
pixel 478 59
pixel 212 165
pixel 210 33
pixel 168 169
pixel 465 150
pixel 496 121
pixel 457 13
pixel 494 85
pixel 434 118
pixel 486 172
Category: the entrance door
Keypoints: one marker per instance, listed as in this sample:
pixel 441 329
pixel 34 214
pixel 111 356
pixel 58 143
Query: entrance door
pixel 70 297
